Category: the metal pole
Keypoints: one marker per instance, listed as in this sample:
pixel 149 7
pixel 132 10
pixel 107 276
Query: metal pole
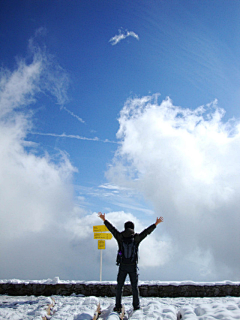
pixel 100 265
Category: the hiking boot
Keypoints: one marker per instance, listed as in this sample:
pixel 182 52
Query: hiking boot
pixel 117 309
pixel 136 308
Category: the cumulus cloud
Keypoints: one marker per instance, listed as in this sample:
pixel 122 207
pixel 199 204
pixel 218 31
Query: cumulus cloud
pixel 121 36
pixel 36 191
pixel 187 163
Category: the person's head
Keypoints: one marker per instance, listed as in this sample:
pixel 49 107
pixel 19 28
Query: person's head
pixel 129 225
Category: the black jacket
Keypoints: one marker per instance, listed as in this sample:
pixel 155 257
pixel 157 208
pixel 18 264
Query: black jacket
pixel 138 237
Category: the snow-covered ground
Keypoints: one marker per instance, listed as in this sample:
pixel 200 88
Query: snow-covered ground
pixel 82 308
pixel 78 307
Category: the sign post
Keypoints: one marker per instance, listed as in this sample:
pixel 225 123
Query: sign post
pixel 101 228
pixel 101 246
pixel 105 236
pixel 101 234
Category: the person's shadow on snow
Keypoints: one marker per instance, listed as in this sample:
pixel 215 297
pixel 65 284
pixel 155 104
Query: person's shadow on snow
pixel 83 316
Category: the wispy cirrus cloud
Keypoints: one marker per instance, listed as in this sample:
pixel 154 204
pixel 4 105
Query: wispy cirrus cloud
pixel 114 197
pixel 72 136
pixel 121 36
pixel 74 115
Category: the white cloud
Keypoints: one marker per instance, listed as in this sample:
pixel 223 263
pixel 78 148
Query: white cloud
pixel 29 184
pixel 114 198
pixel 121 36
pixel 74 115
pixel 187 163
pixel 72 136
pixel 64 135
pixel 36 191
pixel 18 88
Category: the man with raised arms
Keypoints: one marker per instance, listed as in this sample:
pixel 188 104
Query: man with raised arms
pixel 127 257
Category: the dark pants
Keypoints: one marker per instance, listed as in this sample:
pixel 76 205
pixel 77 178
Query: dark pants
pixel 123 271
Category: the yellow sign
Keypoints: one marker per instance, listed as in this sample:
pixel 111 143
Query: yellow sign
pixel 106 236
pixel 101 228
pixel 101 244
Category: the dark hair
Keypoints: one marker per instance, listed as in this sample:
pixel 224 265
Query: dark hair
pixel 129 225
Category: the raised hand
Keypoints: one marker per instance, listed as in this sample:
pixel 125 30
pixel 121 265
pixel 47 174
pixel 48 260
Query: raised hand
pixel 102 216
pixel 159 220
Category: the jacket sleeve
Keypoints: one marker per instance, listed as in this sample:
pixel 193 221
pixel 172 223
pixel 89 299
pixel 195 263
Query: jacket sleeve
pixel 112 229
pixel 145 233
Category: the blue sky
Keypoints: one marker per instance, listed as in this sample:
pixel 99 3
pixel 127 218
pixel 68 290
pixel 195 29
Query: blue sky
pixel 89 117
